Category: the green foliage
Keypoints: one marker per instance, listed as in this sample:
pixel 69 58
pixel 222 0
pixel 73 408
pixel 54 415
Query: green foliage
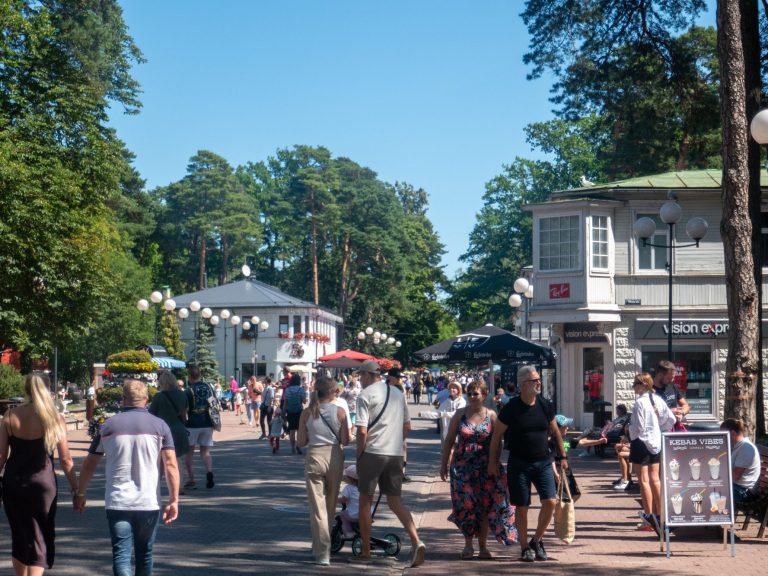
pixel 202 353
pixel 11 382
pixel 170 335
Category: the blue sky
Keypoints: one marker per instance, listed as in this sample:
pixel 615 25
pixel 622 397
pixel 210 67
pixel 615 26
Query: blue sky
pixel 428 92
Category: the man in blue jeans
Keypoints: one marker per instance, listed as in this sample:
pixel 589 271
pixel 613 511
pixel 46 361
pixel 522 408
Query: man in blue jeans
pixel 135 443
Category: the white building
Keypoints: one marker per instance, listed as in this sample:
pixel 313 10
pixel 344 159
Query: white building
pixel 298 332
pixel 606 295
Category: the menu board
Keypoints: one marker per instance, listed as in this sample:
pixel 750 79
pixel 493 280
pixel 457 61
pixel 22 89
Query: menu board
pixel 696 478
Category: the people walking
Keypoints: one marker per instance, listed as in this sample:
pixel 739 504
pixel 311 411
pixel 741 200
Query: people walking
pixel 200 427
pixel 170 405
pixel 138 447
pixel 29 435
pixel 265 414
pixel 323 428
pixel 382 424
pixel 294 401
pixel 527 421
pixel 480 502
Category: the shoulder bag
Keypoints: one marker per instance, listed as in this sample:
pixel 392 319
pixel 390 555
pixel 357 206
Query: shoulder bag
pixel 565 514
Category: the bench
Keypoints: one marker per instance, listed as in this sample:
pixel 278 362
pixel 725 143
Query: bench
pixel 758 507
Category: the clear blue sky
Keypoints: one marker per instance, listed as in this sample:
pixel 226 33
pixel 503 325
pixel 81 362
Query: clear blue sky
pixel 430 92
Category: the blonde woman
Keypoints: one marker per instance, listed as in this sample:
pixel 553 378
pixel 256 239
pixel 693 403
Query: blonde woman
pixel 30 433
pixel 323 427
pixel 650 416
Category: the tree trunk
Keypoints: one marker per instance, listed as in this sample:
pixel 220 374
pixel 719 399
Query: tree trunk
pixel 201 266
pixel 753 86
pixel 735 226
pixel 345 252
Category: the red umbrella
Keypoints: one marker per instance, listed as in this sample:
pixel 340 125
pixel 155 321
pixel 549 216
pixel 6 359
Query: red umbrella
pixel 347 354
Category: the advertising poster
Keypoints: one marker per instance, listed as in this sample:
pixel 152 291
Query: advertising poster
pixel 696 479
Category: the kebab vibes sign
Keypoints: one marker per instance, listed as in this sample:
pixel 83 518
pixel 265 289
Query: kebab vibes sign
pixel 697 478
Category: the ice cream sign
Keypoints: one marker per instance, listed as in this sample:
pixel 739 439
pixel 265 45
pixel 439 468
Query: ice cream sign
pixel 696 479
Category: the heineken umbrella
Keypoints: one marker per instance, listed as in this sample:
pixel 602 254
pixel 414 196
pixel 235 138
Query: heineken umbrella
pixel 439 352
pixel 493 344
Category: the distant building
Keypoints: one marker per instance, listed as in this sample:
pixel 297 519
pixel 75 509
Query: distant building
pixel 605 295
pixel 298 333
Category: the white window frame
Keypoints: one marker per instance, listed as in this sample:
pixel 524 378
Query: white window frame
pixel 593 243
pixel 660 232
pixel 576 264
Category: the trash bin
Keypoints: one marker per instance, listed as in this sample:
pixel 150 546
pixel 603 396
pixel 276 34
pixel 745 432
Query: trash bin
pixel 602 413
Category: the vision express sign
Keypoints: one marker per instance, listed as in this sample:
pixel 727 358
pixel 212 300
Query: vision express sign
pixel 693 329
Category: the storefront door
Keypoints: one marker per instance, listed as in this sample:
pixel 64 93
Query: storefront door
pixel 594 382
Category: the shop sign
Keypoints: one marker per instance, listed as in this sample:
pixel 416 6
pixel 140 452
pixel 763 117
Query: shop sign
pixel 559 291
pixel 693 329
pixel 696 479
pixel 583 332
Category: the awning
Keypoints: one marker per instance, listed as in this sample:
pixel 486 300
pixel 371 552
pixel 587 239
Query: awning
pixel 167 362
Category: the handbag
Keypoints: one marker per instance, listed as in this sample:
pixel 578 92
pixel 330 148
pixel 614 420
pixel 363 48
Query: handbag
pixel 573 485
pixel 565 515
pixel 213 410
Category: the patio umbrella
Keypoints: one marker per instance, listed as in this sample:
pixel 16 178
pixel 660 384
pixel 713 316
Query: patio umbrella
pixel 497 345
pixel 439 352
pixel 348 354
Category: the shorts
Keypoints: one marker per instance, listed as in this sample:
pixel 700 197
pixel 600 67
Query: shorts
pixel 200 436
pixel 520 475
pixel 293 420
pixel 255 404
pixel 639 453
pixel 381 470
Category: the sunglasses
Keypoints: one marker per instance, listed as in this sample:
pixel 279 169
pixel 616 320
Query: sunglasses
pixel 474 394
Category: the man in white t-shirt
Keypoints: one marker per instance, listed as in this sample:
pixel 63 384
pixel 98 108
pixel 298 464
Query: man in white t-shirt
pixel 745 460
pixel 382 424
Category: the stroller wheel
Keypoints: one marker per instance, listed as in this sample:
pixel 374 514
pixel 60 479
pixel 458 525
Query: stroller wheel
pixel 393 549
pixel 337 539
pixel 357 546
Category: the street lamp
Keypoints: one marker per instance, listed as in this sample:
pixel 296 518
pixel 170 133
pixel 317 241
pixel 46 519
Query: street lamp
pixel 157 298
pixel 377 339
pixel 258 325
pixel 645 228
pixel 523 294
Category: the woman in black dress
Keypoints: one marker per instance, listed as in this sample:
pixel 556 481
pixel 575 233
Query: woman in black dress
pixel 30 433
pixel 170 404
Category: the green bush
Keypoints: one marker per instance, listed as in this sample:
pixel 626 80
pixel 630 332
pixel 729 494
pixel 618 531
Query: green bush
pixel 11 382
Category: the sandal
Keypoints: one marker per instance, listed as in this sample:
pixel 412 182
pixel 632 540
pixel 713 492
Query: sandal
pixel 485 554
pixel 191 484
pixel 467 553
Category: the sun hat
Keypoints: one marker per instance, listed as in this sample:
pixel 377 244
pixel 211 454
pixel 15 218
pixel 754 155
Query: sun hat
pixel 563 421
pixel 351 471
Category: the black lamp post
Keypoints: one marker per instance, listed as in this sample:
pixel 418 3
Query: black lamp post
pixel 645 228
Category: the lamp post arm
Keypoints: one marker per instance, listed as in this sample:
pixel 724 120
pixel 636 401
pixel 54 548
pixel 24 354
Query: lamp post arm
pixel 674 246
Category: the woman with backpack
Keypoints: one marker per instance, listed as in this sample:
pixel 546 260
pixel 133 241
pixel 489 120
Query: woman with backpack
pixel 294 400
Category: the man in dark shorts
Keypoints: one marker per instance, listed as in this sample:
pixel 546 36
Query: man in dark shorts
pixel 382 423
pixel 530 420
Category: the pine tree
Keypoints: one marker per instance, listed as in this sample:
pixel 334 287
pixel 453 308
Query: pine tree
pixel 203 355
pixel 170 335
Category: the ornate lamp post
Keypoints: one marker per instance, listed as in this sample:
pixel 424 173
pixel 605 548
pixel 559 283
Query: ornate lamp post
pixel 370 338
pixel 523 294
pixel 645 228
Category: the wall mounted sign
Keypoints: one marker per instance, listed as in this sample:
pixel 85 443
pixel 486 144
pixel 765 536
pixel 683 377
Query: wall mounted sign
pixel 688 329
pixel 583 332
pixel 560 291
pixel 632 302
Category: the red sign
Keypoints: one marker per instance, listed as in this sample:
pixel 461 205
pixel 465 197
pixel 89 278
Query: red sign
pixel 559 291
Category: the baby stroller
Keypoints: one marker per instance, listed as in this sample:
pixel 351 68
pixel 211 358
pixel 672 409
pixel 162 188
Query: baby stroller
pixel 390 543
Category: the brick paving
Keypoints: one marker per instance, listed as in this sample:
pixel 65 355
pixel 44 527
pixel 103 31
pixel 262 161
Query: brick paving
pixel 254 522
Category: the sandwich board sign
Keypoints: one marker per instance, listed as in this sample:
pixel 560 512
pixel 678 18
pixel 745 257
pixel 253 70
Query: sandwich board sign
pixel 696 481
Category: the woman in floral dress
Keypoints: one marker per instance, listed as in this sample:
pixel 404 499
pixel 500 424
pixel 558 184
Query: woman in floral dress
pixel 480 503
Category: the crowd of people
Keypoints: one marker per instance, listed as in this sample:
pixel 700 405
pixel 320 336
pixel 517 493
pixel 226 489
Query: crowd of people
pixel 321 416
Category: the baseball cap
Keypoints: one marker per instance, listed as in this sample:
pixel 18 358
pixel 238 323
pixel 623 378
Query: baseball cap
pixel 394 372
pixel 370 366
pixel 563 421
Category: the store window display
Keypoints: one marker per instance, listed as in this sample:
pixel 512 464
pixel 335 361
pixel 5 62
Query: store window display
pixel 693 375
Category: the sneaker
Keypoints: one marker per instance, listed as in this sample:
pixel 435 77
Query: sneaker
pixel 209 483
pixel 528 555
pixel 191 484
pixel 406 478
pixel 323 562
pixel 621 485
pixel 538 549
pixel 417 556
pixel 617 481
pixel 652 521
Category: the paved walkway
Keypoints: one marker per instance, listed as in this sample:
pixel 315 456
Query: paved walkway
pixel 255 522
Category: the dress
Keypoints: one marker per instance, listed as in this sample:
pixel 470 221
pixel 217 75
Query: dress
pixel 29 499
pixel 170 406
pixel 473 493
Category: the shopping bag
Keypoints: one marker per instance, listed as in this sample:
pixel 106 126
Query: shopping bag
pixel 565 515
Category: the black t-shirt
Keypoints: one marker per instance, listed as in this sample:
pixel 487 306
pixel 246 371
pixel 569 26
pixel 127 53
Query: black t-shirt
pixel 528 428
pixel 670 394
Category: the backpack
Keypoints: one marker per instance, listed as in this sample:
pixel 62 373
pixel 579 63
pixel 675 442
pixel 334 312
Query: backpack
pixel 293 399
